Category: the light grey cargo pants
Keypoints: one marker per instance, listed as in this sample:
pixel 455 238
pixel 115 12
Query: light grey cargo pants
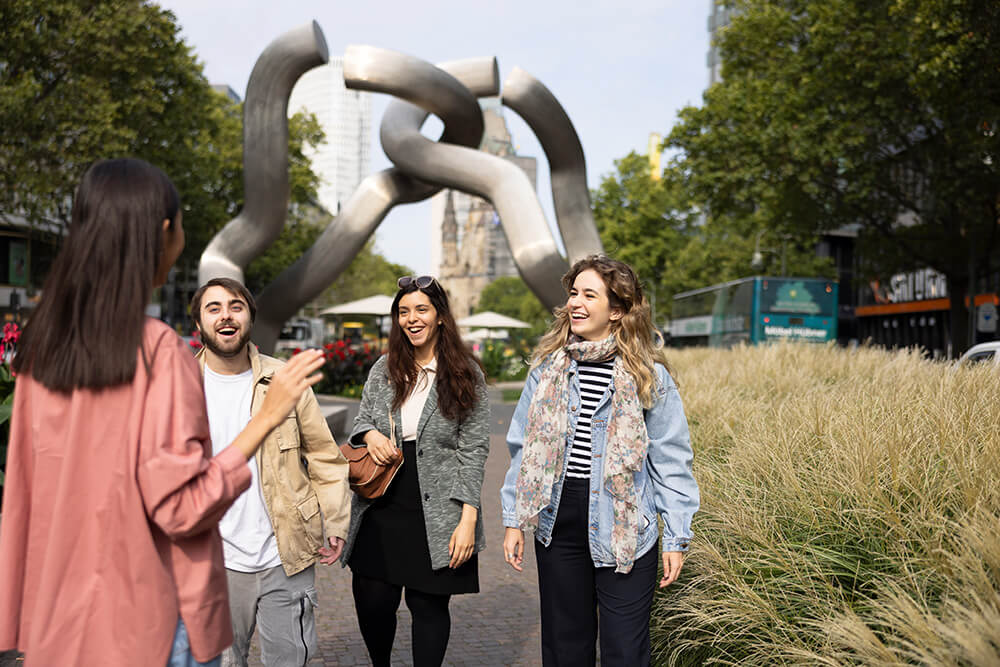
pixel 281 607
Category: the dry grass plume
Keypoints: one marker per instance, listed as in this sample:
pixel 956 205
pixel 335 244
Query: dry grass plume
pixel 850 511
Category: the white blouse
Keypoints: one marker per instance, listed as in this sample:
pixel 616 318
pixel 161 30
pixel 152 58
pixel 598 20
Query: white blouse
pixel 414 403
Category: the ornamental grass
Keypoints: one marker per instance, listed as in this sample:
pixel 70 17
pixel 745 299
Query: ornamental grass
pixel 850 511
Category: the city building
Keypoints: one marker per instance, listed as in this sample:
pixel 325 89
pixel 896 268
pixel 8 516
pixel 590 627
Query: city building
pixel 346 118
pixel 473 249
pixel 228 91
pixel 718 18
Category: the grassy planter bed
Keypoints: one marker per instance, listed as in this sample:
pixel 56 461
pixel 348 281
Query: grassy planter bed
pixel 850 511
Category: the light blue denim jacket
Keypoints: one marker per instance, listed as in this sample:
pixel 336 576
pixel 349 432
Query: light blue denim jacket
pixel 665 483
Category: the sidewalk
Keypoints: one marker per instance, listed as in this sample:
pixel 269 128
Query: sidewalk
pixel 499 626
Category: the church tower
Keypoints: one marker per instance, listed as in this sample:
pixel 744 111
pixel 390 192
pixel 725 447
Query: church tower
pixel 449 237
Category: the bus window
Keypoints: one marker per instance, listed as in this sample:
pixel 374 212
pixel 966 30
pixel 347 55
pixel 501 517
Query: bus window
pixel 755 310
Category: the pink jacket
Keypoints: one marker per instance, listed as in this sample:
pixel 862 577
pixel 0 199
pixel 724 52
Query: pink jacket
pixel 108 528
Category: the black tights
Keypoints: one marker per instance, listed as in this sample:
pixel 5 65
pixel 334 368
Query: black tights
pixel 376 603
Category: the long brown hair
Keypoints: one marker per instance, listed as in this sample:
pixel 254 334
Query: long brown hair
pixel 634 332
pixel 88 326
pixel 457 376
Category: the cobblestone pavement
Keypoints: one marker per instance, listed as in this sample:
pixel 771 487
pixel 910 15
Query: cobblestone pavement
pixel 499 626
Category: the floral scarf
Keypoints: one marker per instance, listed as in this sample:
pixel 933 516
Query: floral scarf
pixel 545 443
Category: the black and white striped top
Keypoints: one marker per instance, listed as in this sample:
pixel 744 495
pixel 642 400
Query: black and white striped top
pixel 595 377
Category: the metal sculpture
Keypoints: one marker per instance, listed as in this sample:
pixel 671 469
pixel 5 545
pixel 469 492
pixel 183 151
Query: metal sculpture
pixel 422 168
pixel 540 109
pixel 502 182
pixel 265 153
pixel 453 99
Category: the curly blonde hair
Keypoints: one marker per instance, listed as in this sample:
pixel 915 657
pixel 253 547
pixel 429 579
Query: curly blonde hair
pixel 639 344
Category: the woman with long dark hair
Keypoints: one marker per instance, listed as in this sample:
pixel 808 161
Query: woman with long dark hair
pixel 599 449
pixel 426 397
pixel 109 553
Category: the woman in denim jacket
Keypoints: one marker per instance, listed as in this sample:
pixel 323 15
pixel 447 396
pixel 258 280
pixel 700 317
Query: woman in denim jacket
pixel 599 448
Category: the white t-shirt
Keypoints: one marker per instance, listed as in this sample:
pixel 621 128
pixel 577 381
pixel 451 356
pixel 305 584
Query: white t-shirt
pixel 248 542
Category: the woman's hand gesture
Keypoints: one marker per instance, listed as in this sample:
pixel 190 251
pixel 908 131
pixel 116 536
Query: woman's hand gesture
pixel 289 383
pixel 513 547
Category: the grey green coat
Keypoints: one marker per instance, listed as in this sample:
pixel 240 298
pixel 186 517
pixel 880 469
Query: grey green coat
pixel 450 461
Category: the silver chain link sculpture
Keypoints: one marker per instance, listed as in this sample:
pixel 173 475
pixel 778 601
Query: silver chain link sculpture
pixel 422 168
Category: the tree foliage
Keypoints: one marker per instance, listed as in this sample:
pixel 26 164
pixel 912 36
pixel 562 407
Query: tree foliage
pixel 510 296
pixel 881 113
pixel 82 80
pixel 644 223
pixel 305 221
pixel 368 274
pixel 656 226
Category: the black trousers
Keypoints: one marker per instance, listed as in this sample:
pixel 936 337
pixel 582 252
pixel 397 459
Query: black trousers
pixel 572 591
pixel 376 602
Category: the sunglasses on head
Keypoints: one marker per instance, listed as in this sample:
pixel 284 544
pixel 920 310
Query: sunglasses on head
pixel 423 282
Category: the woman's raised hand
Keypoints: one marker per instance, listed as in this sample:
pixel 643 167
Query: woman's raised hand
pixel 513 547
pixel 289 383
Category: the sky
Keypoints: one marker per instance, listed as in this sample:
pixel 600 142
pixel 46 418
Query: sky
pixel 620 69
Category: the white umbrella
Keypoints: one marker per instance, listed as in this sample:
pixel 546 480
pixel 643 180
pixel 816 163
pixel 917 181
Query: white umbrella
pixel 490 320
pixel 379 304
pixel 478 335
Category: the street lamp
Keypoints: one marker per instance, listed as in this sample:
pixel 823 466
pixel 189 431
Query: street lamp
pixel 757 261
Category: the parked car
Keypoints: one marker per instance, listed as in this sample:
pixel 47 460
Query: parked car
pixel 301 334
pixel 986 353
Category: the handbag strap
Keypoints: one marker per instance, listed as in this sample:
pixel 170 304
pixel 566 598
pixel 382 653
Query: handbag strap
pixel 392 428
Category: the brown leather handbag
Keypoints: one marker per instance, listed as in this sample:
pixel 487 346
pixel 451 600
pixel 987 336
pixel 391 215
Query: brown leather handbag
pixel 367 478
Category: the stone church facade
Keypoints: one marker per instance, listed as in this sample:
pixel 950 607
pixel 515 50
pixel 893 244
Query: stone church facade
pixel 473 250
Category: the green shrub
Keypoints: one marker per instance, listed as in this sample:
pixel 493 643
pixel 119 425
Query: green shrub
pixel 505 361
pixel 850 511
pixel 346 367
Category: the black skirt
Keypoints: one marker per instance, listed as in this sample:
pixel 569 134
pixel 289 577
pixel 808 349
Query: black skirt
pixel 392 541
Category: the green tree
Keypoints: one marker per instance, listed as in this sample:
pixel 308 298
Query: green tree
pixel 510 296
pixel 644 222
pixel 656 226
pixel 296 238
pixel 877 112
pixel 368 274
pixel 80 80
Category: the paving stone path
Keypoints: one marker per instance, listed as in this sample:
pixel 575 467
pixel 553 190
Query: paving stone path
pixel 499 626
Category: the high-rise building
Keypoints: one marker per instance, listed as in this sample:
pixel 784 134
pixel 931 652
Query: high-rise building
pixel 718 18
pixel 346 118
pixel 472 250
pixel 228 91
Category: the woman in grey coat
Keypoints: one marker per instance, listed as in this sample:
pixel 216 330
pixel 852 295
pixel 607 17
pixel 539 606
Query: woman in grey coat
pixel 426 398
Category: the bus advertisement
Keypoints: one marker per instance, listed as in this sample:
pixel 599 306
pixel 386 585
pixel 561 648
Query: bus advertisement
pixel 756 310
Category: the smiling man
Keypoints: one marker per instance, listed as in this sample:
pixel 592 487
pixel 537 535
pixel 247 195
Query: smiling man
pixel 274 533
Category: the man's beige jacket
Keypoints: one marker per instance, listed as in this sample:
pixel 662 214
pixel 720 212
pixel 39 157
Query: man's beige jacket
pixel 302 473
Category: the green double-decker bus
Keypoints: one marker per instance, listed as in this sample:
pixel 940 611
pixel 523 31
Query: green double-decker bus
pixel 756 310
